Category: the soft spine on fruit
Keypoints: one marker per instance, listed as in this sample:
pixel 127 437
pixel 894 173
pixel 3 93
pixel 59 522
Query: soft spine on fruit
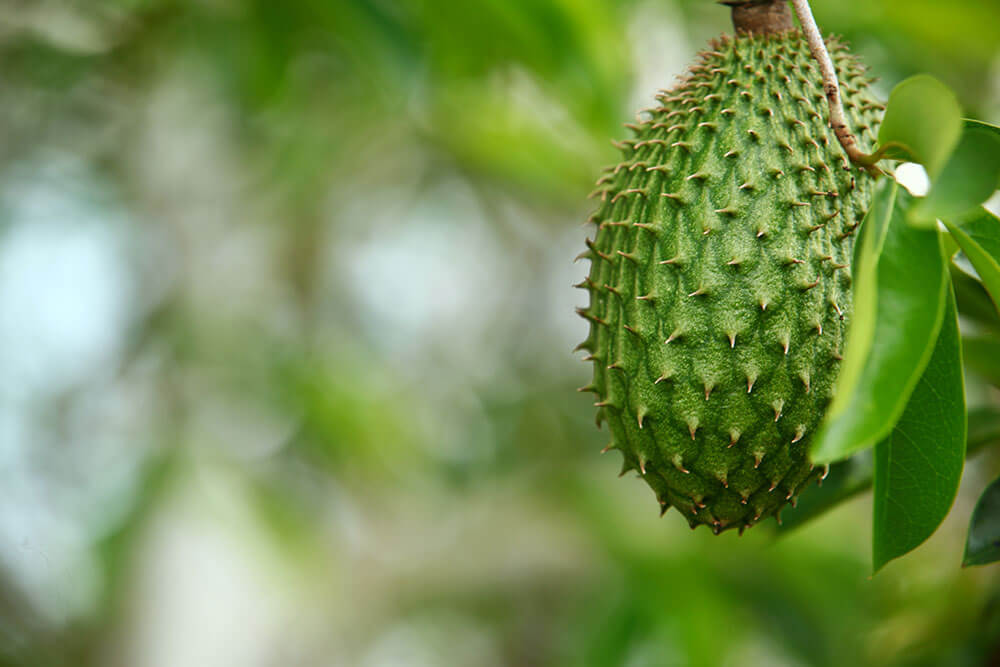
pixel 720 278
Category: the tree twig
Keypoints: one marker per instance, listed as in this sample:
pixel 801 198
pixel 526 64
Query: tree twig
pixel 831 86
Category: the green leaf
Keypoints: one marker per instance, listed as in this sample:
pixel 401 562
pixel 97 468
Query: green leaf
pixel 979 238
pixel 968 179
pixel 949 246
pixel 852 477
pixel 983 544
pixel 918 467
pixel 865 261
pixel 899 300
pixel 922 123
pixel 971 123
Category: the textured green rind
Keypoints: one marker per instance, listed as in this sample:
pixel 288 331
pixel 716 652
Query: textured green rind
pixel 720 279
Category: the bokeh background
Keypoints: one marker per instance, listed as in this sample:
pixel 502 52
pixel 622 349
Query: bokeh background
pixel 285 328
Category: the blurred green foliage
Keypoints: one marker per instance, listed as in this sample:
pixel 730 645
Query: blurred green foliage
pixel 322 411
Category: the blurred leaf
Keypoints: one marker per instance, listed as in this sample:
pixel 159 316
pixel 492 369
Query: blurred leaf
pixel 923 122
pixel 849 478
pixel 492 132
pixel 974 301
pixel 899 304
pixel 923 33
pixel 845 480
pixel 919 466
pixel 984 428
pixel 982 356
pixel 526 91
pixel 983 543
pixel 115 548
pixel 968 179
pixel 979 238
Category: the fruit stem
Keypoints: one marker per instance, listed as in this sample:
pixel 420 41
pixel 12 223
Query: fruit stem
pixel 760 17
pixel 831 87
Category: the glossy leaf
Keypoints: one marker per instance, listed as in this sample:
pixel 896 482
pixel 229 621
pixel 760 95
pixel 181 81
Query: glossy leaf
pixel 919 466
pixel 983 543
pixel 970 123
pixel 949 247
pixel 923 122
pixel 900 288
pixel 968 179
pixel 866 254
pixel 979 238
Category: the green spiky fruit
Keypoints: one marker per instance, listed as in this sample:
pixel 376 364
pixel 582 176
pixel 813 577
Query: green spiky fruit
pixel 720 277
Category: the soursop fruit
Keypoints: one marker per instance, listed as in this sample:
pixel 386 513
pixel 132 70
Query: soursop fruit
pixel 720 280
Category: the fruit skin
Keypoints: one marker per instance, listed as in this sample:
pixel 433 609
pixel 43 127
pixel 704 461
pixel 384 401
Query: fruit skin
pixel 720 278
